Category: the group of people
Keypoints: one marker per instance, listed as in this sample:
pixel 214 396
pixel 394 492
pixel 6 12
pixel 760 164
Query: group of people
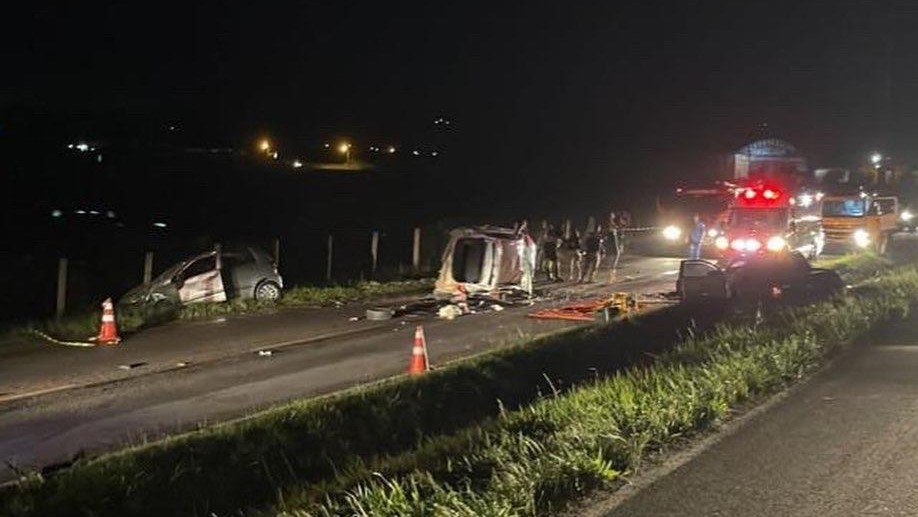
pixel 576 256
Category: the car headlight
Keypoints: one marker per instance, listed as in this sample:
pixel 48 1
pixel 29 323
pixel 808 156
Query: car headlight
pixel 906 216
pixel 712 232
pixel 862 238
pixel 672 233
pixel 776 243
pixel 722 243
pixel 752 245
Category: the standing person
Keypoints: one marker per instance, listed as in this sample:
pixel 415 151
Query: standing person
pixel 549 251
pixel 613 248
pixel 624 222
pixel 696 237
pixel 589 258
pixel 569 256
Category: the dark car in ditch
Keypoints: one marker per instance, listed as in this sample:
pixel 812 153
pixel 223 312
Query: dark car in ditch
pixel 788 278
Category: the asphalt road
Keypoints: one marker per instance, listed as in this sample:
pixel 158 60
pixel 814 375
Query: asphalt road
pixel 89 404
pixel 842 444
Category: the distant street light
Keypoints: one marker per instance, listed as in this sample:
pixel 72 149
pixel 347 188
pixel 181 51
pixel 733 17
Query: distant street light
pixel 264 145
pixel 876 158
pixel 345 149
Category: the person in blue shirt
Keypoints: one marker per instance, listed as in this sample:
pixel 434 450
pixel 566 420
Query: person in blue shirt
pixel 696 237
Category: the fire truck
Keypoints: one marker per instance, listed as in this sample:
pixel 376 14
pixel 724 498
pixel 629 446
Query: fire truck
pixel 766 217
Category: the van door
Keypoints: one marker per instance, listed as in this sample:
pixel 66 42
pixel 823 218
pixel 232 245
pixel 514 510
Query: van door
pixel 701 280
pixel 200 281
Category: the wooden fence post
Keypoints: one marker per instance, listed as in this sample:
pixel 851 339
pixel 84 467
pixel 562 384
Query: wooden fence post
pixel 148 267
pixel 416 250
pixel 374 251
pixel 328 262
pixel 61 287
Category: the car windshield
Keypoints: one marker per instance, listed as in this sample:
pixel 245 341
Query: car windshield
pixel 166 276
pixel 754 218
pixel 853 207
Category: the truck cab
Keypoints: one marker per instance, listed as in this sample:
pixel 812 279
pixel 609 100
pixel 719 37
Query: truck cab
pixel 675 211
pixel 860 221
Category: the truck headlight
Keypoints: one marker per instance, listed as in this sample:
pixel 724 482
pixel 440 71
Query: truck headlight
pixel 862 238
pixel 672 233
pixel 776 243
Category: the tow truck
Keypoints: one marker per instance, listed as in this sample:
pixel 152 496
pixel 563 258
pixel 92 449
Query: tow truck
pixel 860 221
pixel 764 219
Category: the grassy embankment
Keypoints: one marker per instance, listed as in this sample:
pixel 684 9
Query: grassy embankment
pixel 389 449
pixel 81 326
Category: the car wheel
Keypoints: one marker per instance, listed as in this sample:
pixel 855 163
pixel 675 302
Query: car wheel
pixel 267 291
pixel 379 314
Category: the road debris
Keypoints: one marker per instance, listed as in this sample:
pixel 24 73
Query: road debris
pixel 379 313
pixel 130 366
pixel 450 312
pixel 586 311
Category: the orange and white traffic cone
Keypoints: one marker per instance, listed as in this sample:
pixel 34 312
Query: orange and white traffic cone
pixel 108 331
pixel 419 363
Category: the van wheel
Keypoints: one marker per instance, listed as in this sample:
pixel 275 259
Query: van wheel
pixel 267 291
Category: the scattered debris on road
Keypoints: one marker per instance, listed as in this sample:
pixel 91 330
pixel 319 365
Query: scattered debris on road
pixel 586 311
pixel 130 366
pixel 451 311
pixel 379 313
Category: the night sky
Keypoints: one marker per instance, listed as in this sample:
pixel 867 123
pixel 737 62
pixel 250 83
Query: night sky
pixel 599 94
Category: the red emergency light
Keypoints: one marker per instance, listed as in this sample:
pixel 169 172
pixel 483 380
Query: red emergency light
pixel 759 195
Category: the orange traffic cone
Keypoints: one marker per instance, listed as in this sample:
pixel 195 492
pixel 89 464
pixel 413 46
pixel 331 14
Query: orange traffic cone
pixel 108 332
pixel 419 363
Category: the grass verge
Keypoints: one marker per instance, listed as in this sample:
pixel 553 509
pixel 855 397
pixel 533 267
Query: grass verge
pixel 132 319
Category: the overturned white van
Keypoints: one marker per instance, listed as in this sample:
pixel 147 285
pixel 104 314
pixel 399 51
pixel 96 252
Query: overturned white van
pixel 488 261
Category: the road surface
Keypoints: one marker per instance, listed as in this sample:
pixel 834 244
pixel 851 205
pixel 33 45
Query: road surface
pixel 87 403
pixel 842 444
